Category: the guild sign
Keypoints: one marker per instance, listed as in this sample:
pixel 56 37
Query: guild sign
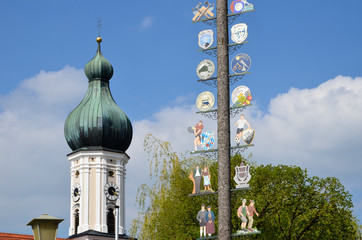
pixel 242 176
pixel 204 11
pixel 205 101
pixel 207 140
pixel 241 63
pixel 239 32
pixel 241 96
pixel 240 6
pixel 205 69
pixel 237 6
pixel 248 135
pixel 206 38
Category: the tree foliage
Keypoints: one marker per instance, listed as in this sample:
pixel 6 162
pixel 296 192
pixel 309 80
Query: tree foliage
pixel 291 204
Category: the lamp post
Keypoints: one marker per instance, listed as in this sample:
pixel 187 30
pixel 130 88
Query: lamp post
pixel 45 227
pixel 117 222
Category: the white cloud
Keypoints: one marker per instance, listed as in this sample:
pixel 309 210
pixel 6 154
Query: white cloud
pixel 319 129
pixel 34 173
pixel 316 128
pixel 146 22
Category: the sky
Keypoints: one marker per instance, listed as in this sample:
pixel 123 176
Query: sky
pixel 306 83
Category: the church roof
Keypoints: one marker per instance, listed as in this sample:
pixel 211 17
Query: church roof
pixel 14 236
pixel 98 121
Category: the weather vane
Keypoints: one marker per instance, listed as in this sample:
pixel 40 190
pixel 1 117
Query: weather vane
pixel 99 26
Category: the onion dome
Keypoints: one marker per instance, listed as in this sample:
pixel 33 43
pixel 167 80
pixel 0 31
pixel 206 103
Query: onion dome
pixel 98 122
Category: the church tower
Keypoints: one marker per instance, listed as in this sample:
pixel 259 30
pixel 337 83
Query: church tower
pixel 99 133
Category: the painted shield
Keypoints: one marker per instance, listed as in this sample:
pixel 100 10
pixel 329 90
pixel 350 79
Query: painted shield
pixel 241 96
pixel 242 172
pixel 237 6
pixel 242 175
pixel 207 140
pixel 240 63
pixel 205 69
pixel 239 32
pixel 248 135
pixel 205 101
pixel 206 38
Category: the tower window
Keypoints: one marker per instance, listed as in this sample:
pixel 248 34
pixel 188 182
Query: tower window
pixel 111 173
pixel 76 174
pixel 110 221
pixel 76 221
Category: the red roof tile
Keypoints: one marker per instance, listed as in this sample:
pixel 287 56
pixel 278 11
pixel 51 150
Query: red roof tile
pixel 13 236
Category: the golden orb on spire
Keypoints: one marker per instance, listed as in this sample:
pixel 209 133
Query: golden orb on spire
pixel 99 39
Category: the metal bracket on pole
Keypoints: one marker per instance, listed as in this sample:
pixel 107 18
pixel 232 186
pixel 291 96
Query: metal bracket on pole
pixel 213 51
pixel 212 82
pixel 213 153
pixel 212 114
pixel 232 17
pixel 211 21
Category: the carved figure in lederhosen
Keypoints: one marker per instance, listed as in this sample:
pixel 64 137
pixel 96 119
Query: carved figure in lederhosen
pixel 251 210
pixel 242 213
pixel 201 217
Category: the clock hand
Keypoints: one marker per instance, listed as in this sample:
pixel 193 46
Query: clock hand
pixel 115 193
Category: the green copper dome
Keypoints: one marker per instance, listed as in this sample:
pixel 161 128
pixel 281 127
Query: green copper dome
pixel 98 68
pixel 98 121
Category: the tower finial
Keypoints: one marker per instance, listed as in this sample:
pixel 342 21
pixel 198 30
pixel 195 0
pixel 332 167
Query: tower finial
pixel 99 26
pixel 99 39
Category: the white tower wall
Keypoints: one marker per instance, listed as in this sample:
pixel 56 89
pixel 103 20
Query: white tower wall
pixel 91 170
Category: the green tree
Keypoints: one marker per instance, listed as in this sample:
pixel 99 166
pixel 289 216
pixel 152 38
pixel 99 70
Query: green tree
pixel 291 204
pixel 295 206
pixel 166 211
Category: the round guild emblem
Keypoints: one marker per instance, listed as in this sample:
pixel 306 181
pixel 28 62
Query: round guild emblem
pixel 205 69
pixel 205 101
pixel 240 95
pixel 240 63
pixel 239 32
pixel 237 6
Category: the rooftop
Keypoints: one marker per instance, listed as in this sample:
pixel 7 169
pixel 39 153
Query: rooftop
pixel 13 236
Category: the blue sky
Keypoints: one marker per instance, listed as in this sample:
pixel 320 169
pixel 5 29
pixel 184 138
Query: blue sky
pixel 305 66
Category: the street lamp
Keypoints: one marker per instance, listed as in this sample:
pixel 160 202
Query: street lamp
pixel 117 223
pixel 45 227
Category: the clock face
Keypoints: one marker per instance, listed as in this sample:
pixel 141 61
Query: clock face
pixel 76 192
pixel 111 191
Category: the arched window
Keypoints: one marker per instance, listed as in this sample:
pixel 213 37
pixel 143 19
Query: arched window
pixel 111 173
pixel 110 221
pixel 76 221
